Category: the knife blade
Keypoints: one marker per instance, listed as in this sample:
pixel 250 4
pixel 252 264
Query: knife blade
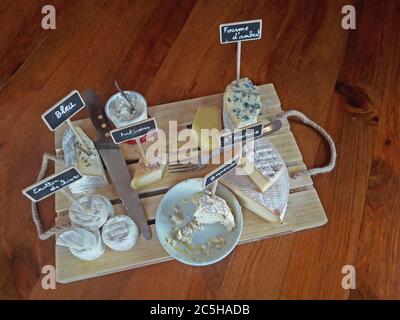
pixel 115 163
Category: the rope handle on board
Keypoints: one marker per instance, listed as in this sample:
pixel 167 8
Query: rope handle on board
pixel 311 172
pixel 44 235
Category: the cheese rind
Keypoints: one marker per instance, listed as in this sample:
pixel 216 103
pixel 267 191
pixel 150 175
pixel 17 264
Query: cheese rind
pixel 211 210
pixel 242 102
pixel 263 182
pixel 207 117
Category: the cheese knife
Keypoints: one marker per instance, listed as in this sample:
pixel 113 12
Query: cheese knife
pixel 115 163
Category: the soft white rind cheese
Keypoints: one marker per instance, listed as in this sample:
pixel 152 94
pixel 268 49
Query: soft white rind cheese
pixel 211 210
pixel 120 233
pixel 82 243
pixel 262 167
pixel 99 208
pixel 242 102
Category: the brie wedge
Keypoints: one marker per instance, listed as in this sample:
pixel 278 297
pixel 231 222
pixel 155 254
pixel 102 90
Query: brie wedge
pixel 262 181
pixel 211 210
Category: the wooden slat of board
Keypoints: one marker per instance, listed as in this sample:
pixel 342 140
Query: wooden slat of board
pixel 285 143
pixel 304 211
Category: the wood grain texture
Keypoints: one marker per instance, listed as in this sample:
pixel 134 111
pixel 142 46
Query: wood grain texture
pixel 346 80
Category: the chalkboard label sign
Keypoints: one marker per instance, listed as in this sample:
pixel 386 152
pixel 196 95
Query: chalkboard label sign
pixel 240 31
pixel 252 131
pixel 133 131
pixel 63 110
pixel 214 175
pixel 54 183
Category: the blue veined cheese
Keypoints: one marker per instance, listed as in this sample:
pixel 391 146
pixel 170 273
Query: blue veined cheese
pixel 242 102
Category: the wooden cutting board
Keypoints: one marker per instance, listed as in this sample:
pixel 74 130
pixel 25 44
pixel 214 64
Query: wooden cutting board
pixel 304 209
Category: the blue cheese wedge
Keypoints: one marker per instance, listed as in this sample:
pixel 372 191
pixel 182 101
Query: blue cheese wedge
pixel 211 210
pixel 242 102
pixel 86 159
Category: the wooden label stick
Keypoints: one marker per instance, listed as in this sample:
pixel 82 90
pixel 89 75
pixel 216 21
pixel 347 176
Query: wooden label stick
pixel 143 155
pixel 214 188
pixel 238 32
pixel 213 177
pixel 238 53
pixel 135 132
pixel 74 200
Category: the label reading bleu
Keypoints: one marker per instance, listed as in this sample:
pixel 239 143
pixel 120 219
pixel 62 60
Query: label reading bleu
pixel 250 132
pixel 63 110
pixel 240 31
pixel 133 131
pixel 214 175
pixel 51 184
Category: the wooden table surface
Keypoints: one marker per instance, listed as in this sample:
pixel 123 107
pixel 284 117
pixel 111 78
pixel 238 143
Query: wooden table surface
pixel 346 80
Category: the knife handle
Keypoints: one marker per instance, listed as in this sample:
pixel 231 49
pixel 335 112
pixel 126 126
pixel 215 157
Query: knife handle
pixel 97 114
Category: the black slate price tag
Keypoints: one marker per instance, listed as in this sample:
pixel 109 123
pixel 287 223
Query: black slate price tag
pixel 240 31
pixel 52 184
pixel 63 110
pixel 240 135
pixel 133 131
pixel 214 175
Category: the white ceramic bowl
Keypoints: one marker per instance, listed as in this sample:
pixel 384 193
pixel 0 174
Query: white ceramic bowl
pixel 181 194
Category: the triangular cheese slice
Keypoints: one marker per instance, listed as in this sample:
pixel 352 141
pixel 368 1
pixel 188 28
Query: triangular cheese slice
pixel 211 210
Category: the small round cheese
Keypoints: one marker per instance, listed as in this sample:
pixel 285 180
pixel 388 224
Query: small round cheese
pixel 99 209
pixel 120 233
pixel 82 243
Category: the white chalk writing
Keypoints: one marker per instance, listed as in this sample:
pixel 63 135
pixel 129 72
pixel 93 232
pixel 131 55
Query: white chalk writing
pixel 64 109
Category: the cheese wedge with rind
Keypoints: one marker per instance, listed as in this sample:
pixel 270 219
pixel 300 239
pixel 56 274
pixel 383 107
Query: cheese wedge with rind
pixel 211 210
pixel 263 182
pixel 207 117
pixel 145 176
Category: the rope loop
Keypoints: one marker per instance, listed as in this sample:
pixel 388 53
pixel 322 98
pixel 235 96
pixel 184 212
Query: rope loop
pixel 314 171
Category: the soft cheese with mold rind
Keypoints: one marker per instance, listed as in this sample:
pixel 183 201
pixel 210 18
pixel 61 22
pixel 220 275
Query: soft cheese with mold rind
pixel 242 102
pixel 211 210
pixel 263 182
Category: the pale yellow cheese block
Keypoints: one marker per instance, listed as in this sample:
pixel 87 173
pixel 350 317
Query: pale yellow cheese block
pixel 145 176
pixel 207 117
